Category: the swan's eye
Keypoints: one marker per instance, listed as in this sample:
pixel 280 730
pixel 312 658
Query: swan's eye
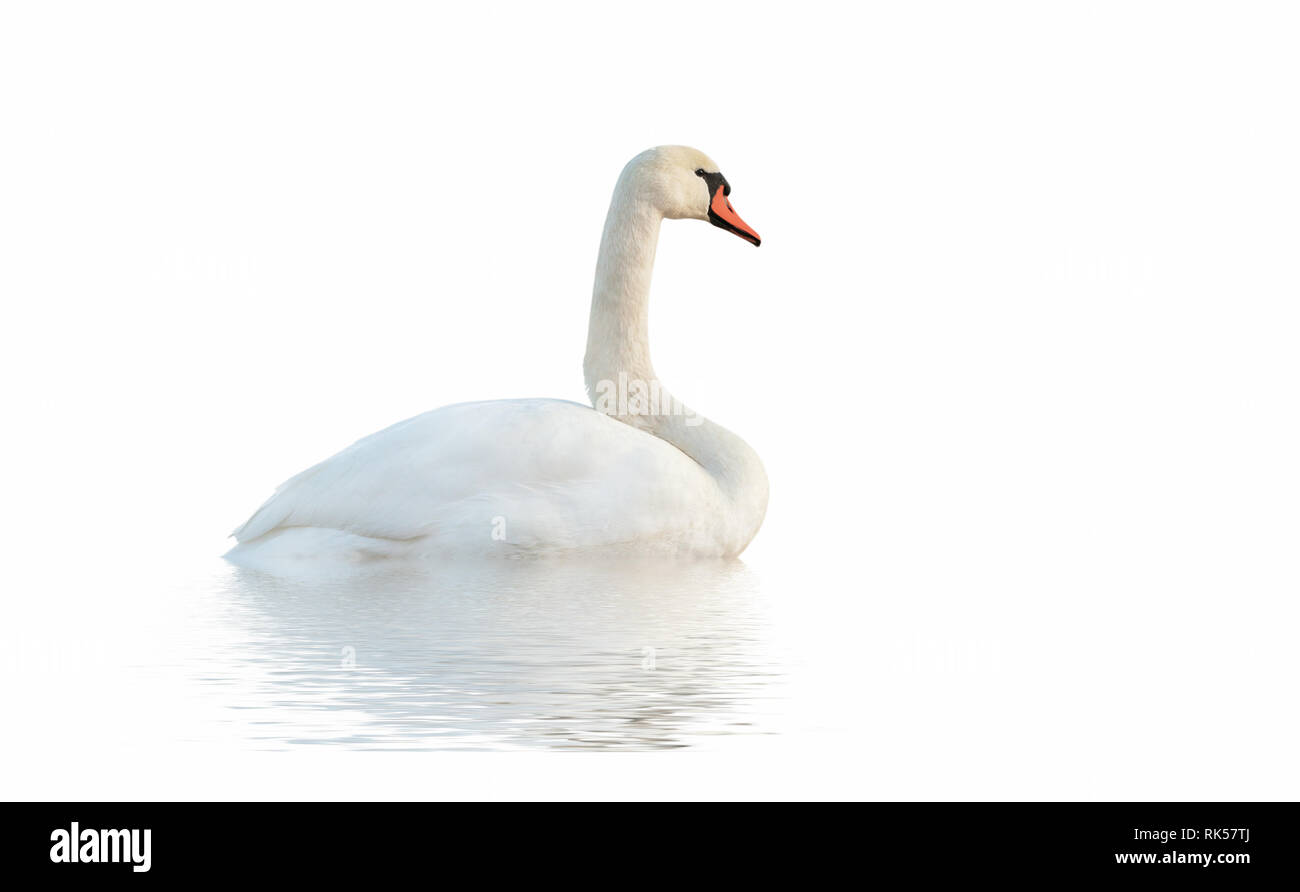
pixel 700 172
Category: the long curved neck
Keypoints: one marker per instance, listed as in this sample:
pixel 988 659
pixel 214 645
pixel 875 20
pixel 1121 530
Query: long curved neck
pixel 620 378
pixel 618 333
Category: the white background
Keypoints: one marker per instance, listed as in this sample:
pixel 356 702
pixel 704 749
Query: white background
pixel 1018 351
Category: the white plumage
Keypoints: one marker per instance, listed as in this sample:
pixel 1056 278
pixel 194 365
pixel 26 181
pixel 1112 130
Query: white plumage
pixel 537 476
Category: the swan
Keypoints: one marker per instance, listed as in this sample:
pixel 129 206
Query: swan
pixel 637 472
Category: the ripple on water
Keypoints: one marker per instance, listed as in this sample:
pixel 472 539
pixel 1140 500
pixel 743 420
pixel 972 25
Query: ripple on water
pixel 513 655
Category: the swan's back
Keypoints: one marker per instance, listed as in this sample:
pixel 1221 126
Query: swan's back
pixel 517 476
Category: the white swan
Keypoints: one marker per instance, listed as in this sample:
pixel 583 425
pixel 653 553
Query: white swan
pixel 641 473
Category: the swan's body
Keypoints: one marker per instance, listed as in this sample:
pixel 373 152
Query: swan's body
pixel 536 476
pixel 505 476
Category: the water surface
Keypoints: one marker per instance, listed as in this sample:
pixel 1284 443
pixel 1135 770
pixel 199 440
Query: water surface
pixel 508 655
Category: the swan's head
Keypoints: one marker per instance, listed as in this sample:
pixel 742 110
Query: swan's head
pixel 685 184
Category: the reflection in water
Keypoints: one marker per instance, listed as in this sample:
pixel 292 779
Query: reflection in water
pixel 510 655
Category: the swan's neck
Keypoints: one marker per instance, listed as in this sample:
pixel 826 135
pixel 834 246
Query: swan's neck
pixel 621 380
pixel 618 334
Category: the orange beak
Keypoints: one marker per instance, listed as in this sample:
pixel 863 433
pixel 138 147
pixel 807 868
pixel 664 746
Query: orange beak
pixel 722 214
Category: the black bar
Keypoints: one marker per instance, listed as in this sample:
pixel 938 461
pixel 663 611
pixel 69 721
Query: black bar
pixel 1222 843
